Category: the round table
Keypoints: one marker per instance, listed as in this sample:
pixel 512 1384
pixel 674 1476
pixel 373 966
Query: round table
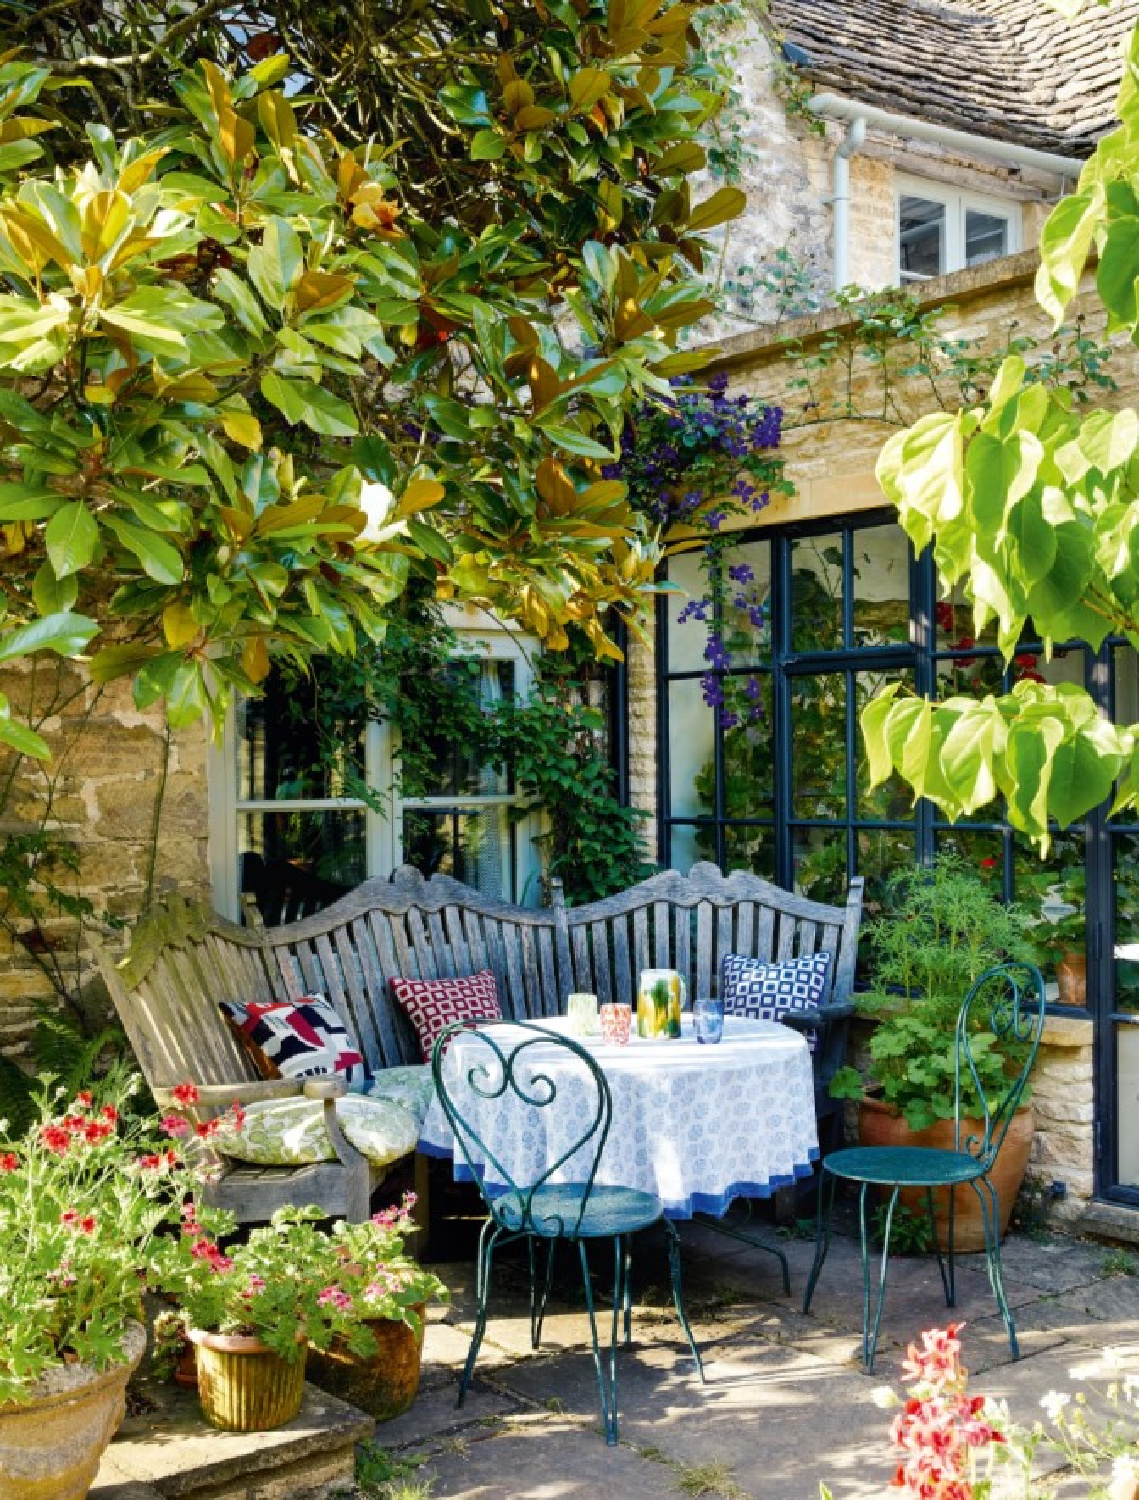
pixel 696 1125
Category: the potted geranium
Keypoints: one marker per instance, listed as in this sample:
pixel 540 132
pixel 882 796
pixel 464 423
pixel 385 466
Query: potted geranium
pixel 942 928
pixel 376 1367
pixel 254 1309
pixel 84 1196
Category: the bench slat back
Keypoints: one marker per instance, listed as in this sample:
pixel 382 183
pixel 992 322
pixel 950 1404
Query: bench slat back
pixel 183 960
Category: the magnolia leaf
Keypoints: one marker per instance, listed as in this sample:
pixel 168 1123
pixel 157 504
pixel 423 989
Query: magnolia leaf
pixel 66 634
pixel 242 427
pixel 72 538
pixel 18 737
pixel 487 145
pixel 53 595
pixel 724 204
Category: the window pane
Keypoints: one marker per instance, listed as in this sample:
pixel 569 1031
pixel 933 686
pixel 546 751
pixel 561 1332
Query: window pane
pixel 690 843
pixel 818 746
pixel 816 593
pixel 692 770
pixel 921 238
pixel 820 864
pixel 881 851
pixel 1127 1086
pixel 986 236
pixel 295 863
pixel 955 630
pixel 893 800
pixel 749 760
pixel 1053 891
pixel 746 598
pixel 455 768
pixel 689 613
pixel 881 587
pixel 289 747
pixel 1125 690
pixel 475 846
pixel 1127 922
pixel 983 851
pixel 751 849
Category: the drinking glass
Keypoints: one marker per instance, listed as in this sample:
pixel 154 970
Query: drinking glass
pixel 708 1019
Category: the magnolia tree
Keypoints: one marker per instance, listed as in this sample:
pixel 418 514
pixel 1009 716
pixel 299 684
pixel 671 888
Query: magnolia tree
pixel 1033 508
pixel 275 335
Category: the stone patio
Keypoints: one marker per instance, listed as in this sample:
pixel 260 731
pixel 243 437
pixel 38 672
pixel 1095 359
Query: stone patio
pixel 786 1402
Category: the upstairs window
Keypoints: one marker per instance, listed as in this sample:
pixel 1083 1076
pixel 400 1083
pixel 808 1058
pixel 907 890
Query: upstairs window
pixel 941 231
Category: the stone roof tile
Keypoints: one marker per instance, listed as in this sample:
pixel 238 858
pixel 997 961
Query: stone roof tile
pixel 1011 70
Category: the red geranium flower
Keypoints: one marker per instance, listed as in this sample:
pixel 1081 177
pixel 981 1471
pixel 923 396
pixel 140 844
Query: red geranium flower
pixel 109 1112
pixel 8 1162
pixel 185 1093
pixel 56 1139
pixel 83 1098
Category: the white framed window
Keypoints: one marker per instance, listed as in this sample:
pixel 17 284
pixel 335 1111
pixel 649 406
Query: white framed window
pixel 940 230
pixel 291 828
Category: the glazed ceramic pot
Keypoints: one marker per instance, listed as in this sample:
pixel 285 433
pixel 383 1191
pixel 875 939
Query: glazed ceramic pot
pixel 879 1124
pixel 51 1444
pixel 244 1386
pixel 383 1384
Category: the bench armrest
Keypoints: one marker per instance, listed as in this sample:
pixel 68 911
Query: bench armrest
pixel 817 1015
pixel 222 1095
pixel 326 1088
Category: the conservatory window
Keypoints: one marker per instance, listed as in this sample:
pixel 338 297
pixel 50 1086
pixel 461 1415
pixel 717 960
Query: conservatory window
pixel 294 828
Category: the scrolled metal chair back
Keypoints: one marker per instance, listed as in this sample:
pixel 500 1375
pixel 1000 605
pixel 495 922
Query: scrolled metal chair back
pixel 495 1064
pixel 1010 999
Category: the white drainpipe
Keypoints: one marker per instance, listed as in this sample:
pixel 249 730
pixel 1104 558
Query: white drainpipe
pixel 861 117
pixel 850 146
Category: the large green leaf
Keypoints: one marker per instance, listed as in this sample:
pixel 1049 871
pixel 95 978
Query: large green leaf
pixel 72 538
pixel 65 633
pixel 304 403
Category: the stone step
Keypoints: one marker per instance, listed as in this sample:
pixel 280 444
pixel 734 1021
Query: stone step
pixel 171 1451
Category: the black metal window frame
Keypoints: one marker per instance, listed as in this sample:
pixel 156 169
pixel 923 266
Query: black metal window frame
pixel 923 654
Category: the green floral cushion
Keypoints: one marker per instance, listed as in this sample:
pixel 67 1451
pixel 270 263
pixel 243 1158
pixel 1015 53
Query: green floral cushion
pixel 290 1132
pixel 410 1085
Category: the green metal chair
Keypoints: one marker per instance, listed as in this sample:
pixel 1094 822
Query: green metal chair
pixel 1008 1002
pixel 544 1211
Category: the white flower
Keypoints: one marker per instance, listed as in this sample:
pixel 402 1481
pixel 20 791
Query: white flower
pixel 377 503
pixel 885 1397
pixel 1124 1479
pixel 1054 1403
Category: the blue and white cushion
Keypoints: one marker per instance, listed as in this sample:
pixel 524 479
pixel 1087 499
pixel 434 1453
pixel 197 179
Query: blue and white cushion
pixel 766 992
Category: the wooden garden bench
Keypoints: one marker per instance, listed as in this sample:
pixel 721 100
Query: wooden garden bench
pixel 183 959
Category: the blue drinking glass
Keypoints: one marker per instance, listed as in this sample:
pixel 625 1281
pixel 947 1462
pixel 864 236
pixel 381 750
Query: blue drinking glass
pixel 708 1019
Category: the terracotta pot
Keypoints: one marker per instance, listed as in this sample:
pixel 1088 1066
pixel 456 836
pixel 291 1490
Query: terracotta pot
pixel 385 1383
pixel 879 1124
pixel 244 1386
pixel 186 1369
pixel 51 1444
pixel 1072 978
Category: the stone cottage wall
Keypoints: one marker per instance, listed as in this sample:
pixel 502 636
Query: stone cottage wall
pixel 100 792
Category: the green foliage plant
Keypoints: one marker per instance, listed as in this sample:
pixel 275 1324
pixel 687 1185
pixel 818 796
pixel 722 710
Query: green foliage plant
pixel 270 341
pixel 1029 503
pixel 86 1195
pixel 943 928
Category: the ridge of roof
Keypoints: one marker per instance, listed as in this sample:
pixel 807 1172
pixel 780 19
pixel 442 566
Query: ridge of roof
pixel 1012 70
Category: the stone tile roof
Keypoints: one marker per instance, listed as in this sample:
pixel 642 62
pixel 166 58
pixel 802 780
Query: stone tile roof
pixel 1010 69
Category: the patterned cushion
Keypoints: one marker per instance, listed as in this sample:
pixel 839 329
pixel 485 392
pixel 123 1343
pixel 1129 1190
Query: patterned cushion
pixel 768 991
pixel 290 1132
pixel 409 1085
pixel 305 1039
pixel 434 1004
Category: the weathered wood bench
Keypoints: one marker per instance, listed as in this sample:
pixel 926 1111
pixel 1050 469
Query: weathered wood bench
pixel 183 959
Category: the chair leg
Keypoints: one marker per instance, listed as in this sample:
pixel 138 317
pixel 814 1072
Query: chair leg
pixel 538 1304
pixel 991 1222
pixel 678 1294
pixel 482 1283
pixel 870 1336
pixel 607 1389
pixel 946 1277
pixel 628 1275
pixel 822 1234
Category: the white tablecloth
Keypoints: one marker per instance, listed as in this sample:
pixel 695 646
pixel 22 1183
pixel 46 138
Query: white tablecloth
pixel 696 1125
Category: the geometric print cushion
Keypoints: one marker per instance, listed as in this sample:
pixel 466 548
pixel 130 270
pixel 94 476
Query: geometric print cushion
pixel 767 992
pixel 290 1132
pixel 409 1085
pixel 434 1004
pixel 297 1039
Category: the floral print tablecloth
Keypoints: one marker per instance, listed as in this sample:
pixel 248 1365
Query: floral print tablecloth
pixel 695 1125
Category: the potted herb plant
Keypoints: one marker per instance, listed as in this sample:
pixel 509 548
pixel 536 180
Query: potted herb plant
pixel 942 928
pixel 84 1197
pixel 377 1365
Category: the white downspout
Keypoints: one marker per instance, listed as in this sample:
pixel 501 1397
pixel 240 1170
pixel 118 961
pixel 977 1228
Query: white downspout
pixel 850 146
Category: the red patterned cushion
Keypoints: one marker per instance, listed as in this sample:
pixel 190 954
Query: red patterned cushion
pixel 434 1004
